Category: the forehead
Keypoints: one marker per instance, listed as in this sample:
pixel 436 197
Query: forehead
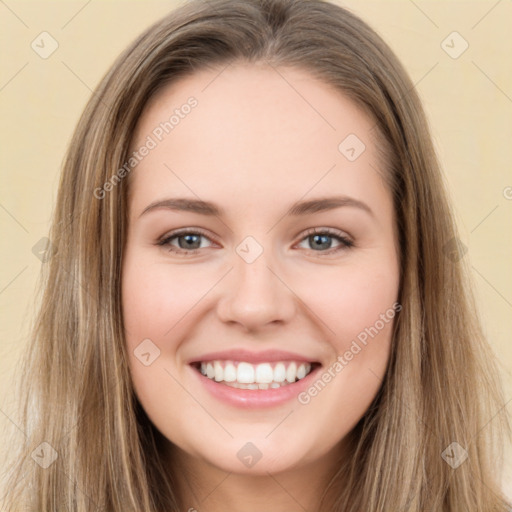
pixel 255 129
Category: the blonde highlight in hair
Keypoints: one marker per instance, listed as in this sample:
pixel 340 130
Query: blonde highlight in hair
pixel 441 383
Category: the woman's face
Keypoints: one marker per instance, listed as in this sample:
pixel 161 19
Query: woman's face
pixel 261 246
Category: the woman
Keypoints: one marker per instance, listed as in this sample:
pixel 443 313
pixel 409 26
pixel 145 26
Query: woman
pixel 257 369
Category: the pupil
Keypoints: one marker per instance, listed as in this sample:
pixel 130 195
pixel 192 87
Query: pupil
pixel 325 244
pixel 189 240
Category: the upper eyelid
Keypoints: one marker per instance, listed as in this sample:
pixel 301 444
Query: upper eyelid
pixel 344 237
pixel 334 232
pixel 186 231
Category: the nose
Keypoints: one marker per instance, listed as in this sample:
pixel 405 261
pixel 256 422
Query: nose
pixel 255 296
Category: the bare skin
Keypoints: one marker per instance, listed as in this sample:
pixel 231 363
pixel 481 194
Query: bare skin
pixel 254 146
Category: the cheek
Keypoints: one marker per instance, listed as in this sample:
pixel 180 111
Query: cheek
pixel 157 304
pixel 358 305
pixel 360 308
pixel 157 298
pixel 361 313
pixel 350 299
pixel 153 302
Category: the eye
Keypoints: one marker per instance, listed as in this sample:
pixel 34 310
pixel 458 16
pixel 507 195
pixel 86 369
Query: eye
pixel 188 241
pixel 320 239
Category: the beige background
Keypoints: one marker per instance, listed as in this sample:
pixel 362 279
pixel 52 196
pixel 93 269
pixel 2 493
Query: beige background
pixel 468 100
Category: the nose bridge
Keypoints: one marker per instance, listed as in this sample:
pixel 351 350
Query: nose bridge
pixel 254 295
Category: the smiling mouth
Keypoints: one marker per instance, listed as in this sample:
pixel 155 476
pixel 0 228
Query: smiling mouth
pixel 244 375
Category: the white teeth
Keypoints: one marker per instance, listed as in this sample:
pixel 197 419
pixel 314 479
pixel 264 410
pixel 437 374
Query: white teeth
pixel 237 385
pixel 291 372
pixel 229 373
pixel 245 373
pixel 264 374
pixel 259 376
pixel 279 372
pixel 219 372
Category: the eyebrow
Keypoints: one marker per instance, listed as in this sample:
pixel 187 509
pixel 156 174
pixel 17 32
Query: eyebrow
pixel 297 209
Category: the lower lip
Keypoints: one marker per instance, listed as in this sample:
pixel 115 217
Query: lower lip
pixel 256 398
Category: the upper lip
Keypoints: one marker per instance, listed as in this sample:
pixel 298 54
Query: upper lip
pixel 252 357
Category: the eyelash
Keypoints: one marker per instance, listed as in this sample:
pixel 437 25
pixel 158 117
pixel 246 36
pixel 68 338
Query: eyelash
pixel 345 243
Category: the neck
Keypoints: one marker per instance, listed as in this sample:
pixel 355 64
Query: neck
pixel 207 488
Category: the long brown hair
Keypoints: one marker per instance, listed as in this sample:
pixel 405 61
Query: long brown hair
pixel 441 385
